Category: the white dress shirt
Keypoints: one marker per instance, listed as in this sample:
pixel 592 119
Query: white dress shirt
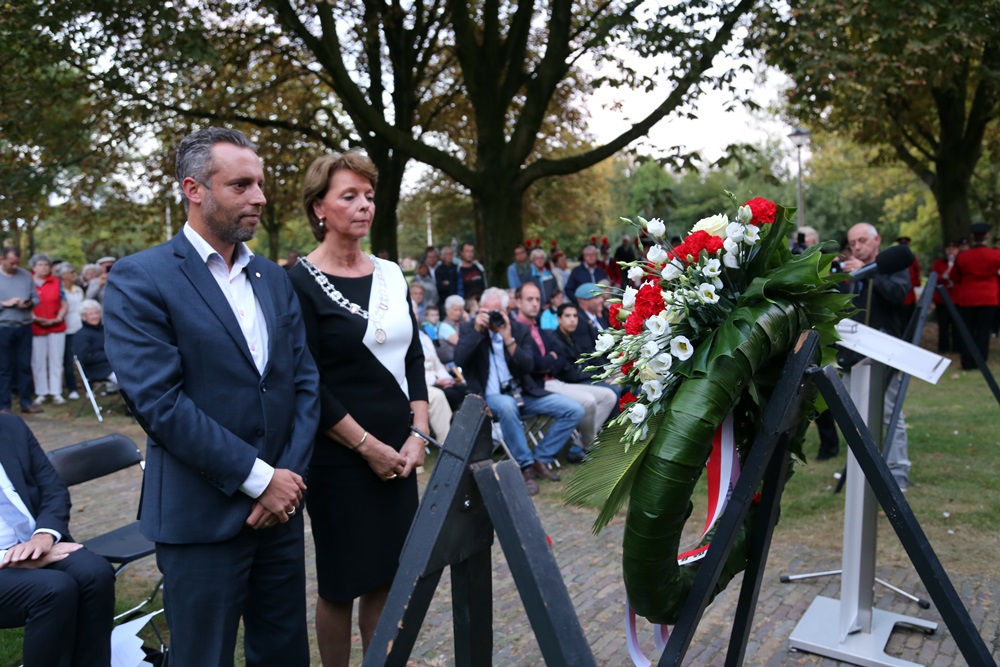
pixel 239 294
pixel 8 538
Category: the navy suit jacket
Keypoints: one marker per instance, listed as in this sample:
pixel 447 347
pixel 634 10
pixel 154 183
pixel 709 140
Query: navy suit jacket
pixel 184 366
pixel 33 476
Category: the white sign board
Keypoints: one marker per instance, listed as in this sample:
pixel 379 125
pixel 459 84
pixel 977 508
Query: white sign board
pixel 891 351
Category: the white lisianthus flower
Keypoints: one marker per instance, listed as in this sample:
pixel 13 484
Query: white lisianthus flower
pixel 681 348
pixel 637 413
pixel 671 271
pixel 653 389
pixel 657 255
pixel 646 373
pixel 718 283
pixel 715 225
pixel 752 235
pixel 734 232
pixel 712 268
pixel 729 245
pixel 649 348
pixel 661 363
pixel 668 296
pixel 635 274
pixel 628 298
pixel 706 293
pixel 675 314
pixel 745 214
pixel 658 326
pixel 604 342
pixel 656 227
pixel 732 260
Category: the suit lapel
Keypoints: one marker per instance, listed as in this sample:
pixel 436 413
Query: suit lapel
pixel 12 466
pixel 265 298
pixel 204 282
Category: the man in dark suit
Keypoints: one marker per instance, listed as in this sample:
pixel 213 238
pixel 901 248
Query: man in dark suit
pixel 590 298
pixel 62 594
pixel 588 271
pixel 497 357
pixel 207 342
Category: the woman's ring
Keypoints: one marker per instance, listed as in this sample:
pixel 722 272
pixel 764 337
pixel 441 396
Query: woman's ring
pixel 291 513
pixel 391 475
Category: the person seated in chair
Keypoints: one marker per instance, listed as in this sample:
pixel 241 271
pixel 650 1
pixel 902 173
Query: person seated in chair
pixel 496 354
pixel 63 594
pixel 88 345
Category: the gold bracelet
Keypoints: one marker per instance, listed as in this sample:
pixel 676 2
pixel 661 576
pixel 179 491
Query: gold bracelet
pixel 361 441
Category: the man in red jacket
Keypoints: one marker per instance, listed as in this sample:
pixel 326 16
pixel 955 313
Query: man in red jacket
pixel 943 266
pixel 975 275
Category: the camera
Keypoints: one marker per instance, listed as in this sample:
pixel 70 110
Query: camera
pixel 496 319
pixel 799 246
pixel 513 389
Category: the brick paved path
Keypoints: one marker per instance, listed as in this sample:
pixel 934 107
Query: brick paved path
pixel 592 572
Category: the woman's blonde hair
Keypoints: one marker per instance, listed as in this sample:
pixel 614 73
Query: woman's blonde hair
pixel 317 181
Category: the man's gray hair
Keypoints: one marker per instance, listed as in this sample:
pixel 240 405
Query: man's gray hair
pixel 538 252
pixel 494 291
pixel 194 154
pixel 64 268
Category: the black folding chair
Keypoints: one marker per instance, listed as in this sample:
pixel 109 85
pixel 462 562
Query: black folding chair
pixel 92 459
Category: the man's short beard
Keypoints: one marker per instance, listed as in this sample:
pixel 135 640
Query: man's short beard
pixel 225 228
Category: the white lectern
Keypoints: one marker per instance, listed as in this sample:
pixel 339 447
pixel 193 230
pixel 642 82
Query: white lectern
pixel 850 629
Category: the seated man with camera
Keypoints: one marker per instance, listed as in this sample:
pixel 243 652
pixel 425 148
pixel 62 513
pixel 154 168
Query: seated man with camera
pixel 497 359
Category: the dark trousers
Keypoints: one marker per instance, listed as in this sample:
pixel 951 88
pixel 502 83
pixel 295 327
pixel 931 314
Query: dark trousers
pixel 66 609
pixel 979 322
pixel 947 336
pixel 68 365
pixel 15 365
pixel 257 575
pixel 829 441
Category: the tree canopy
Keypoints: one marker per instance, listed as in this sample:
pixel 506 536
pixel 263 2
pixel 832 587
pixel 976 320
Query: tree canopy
pixel 919 80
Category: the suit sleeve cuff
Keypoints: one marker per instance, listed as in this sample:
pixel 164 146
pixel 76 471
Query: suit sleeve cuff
pixel 54 533
pixel 258 479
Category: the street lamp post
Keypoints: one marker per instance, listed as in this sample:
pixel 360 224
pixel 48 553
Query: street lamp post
pixel 799 137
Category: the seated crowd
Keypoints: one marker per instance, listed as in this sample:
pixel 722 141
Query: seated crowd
pixel 518 348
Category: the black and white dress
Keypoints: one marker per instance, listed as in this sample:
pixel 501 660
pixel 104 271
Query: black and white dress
pixel 360 522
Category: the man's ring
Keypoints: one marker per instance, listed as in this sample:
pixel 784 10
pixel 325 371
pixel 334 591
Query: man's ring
pixel 291 513
pixel 391 475
pixel 267 524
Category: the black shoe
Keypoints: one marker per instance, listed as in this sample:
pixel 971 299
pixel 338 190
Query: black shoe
pixel 576 455
pixel 529 481
pixel 826 456
pixel 31 409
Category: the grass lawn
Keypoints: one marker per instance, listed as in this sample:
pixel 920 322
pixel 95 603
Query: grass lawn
pixel 954 444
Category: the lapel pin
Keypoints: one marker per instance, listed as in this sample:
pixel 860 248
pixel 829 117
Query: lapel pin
pixel 257 274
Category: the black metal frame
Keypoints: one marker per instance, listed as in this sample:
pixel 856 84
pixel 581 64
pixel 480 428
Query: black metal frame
pixel 967 341
pixel 468 497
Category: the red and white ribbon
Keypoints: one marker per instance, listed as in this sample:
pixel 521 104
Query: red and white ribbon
pixel 723 469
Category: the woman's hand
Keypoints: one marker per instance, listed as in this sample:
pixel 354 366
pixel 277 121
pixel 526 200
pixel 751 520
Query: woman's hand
pixel 413 451
pixel 384 461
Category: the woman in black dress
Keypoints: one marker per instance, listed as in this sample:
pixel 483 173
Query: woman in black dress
pixel 362 481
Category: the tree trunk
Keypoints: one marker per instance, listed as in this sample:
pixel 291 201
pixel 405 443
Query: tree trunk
pixel 391 164
pixel 499 227
pixel 951 194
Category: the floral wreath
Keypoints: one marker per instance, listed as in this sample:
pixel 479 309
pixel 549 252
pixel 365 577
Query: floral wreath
pixel 704 336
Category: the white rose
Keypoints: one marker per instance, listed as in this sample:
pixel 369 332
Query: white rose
pixel 657 255
pixel 732 260
pixel 671 271
pixel 604 342
pixel 661 363
pixel 628 298
pixel 649 349
pixel 707 293
pixel 656 227
pixel 745 214
pixel 637 413
pixel 653 389
pixel 681 348
pixel 715 225
pixel 752 235
pixel 646 373
pixel 635 274
pixel 734 231
pixel 712 268
pixel 658 326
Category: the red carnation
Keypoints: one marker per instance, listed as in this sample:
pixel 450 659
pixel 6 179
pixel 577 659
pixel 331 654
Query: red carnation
pixel 613 316
pixel 633 324
pixel 649 301
pixel 627 397
pixel 764 211
pixel 627 368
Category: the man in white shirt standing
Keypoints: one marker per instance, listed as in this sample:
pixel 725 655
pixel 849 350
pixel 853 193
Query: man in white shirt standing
pixel 207 342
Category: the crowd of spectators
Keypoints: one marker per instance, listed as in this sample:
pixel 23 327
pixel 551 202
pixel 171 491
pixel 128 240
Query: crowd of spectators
pixel 44 323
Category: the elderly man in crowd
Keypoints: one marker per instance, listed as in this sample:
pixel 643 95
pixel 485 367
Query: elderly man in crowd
pixel 496 356
pixel 18 297
pixel 880 299
pixel 587 272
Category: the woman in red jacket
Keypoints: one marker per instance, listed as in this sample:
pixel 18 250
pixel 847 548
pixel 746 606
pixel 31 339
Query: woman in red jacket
pixel 49 332
pixel 975 276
